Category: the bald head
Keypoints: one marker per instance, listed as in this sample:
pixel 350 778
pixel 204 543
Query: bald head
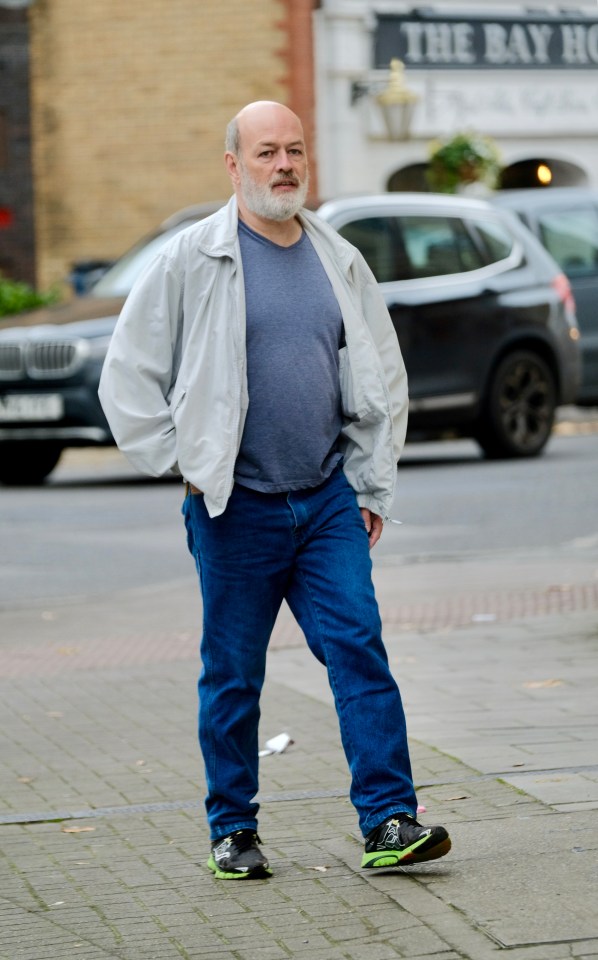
pixel 257 117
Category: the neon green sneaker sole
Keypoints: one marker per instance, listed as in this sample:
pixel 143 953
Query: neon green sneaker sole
pixel 412 854
pixel 258 873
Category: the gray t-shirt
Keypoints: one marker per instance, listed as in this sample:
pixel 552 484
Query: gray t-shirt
pixel 294 330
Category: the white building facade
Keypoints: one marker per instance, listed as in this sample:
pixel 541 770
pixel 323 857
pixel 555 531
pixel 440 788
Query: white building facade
pixel 524 74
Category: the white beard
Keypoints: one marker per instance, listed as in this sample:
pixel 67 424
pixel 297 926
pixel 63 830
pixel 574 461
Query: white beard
pixel 260 199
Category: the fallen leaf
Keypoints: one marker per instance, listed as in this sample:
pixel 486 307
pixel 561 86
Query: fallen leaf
pixel 464 797
pixel 67 829
pixel 25 779
pixel 320 869
pixel 537 684
pixel 140 763
pixel 518 764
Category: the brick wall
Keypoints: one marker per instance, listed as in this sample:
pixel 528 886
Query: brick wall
pixel 299 75
pixel 130 99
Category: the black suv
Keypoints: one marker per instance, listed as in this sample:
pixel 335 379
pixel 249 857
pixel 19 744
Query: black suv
pixel 484 317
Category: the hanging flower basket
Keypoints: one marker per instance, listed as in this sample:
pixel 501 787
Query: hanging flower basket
pixel 465 159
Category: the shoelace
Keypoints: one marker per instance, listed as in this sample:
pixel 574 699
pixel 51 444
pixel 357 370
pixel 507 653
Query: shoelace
pixel 245 839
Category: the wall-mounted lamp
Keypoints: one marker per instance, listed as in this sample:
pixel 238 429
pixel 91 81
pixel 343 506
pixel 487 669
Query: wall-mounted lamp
pixel 393 97
pixel 397 103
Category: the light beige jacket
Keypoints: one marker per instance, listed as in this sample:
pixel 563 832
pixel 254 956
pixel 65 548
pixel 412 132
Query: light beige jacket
pixel 174 383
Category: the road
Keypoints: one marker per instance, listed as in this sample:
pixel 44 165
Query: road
pixel 475 535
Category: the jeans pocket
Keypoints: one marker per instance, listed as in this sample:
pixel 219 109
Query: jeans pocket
pixel 186 511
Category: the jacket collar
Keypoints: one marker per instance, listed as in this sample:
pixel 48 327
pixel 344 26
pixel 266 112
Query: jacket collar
pixel 342 252
pixel 218 236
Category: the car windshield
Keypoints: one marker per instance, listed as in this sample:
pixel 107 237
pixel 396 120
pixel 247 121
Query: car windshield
pixel 118 280
pixel 571 236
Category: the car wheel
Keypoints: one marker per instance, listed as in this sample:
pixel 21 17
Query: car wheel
pixel 27 464
pixel 520 407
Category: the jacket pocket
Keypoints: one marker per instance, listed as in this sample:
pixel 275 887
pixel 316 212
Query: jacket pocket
pixel 177 401
pixel 348 404
pixel 353 402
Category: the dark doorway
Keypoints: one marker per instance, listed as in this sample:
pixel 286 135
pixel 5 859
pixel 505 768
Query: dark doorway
pixel 541 172
pixel 411 178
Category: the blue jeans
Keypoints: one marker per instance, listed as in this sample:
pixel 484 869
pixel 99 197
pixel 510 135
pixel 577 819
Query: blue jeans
pixel 309 547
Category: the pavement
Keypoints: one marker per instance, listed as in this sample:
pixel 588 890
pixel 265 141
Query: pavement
pixel 102 836
pixel 102 831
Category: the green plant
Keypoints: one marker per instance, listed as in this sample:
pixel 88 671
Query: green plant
pixel 16 297
pixel 466 158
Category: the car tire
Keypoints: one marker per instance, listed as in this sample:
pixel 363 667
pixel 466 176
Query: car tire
pixel 28 463
pixel 520 406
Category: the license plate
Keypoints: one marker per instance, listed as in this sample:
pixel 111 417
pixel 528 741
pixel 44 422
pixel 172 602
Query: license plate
pixel 15 407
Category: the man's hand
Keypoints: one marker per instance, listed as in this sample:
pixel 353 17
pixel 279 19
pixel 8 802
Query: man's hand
pixel 373 525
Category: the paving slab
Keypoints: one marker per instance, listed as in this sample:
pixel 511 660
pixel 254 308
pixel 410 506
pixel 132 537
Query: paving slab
pixel 541 871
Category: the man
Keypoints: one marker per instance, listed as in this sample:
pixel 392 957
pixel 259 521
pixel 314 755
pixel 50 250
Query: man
pixel 256 357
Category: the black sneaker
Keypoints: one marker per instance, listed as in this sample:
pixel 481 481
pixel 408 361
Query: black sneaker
pixel 400 840
pixel 238 857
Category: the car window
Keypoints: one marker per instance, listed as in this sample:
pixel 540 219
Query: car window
pixel 571 236
pixel 118 280
pixel 497 241
pixel 376 238
pixel 407 248
pixel 436 246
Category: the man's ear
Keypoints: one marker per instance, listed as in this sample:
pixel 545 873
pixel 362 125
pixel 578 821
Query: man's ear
pixel 231 163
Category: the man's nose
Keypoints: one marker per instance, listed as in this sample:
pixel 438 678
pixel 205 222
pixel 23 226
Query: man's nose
pixel 284 162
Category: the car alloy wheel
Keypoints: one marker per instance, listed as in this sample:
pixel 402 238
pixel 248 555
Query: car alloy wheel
pixel 519 412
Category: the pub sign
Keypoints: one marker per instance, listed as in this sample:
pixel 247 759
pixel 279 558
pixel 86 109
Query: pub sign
pixel 430 41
